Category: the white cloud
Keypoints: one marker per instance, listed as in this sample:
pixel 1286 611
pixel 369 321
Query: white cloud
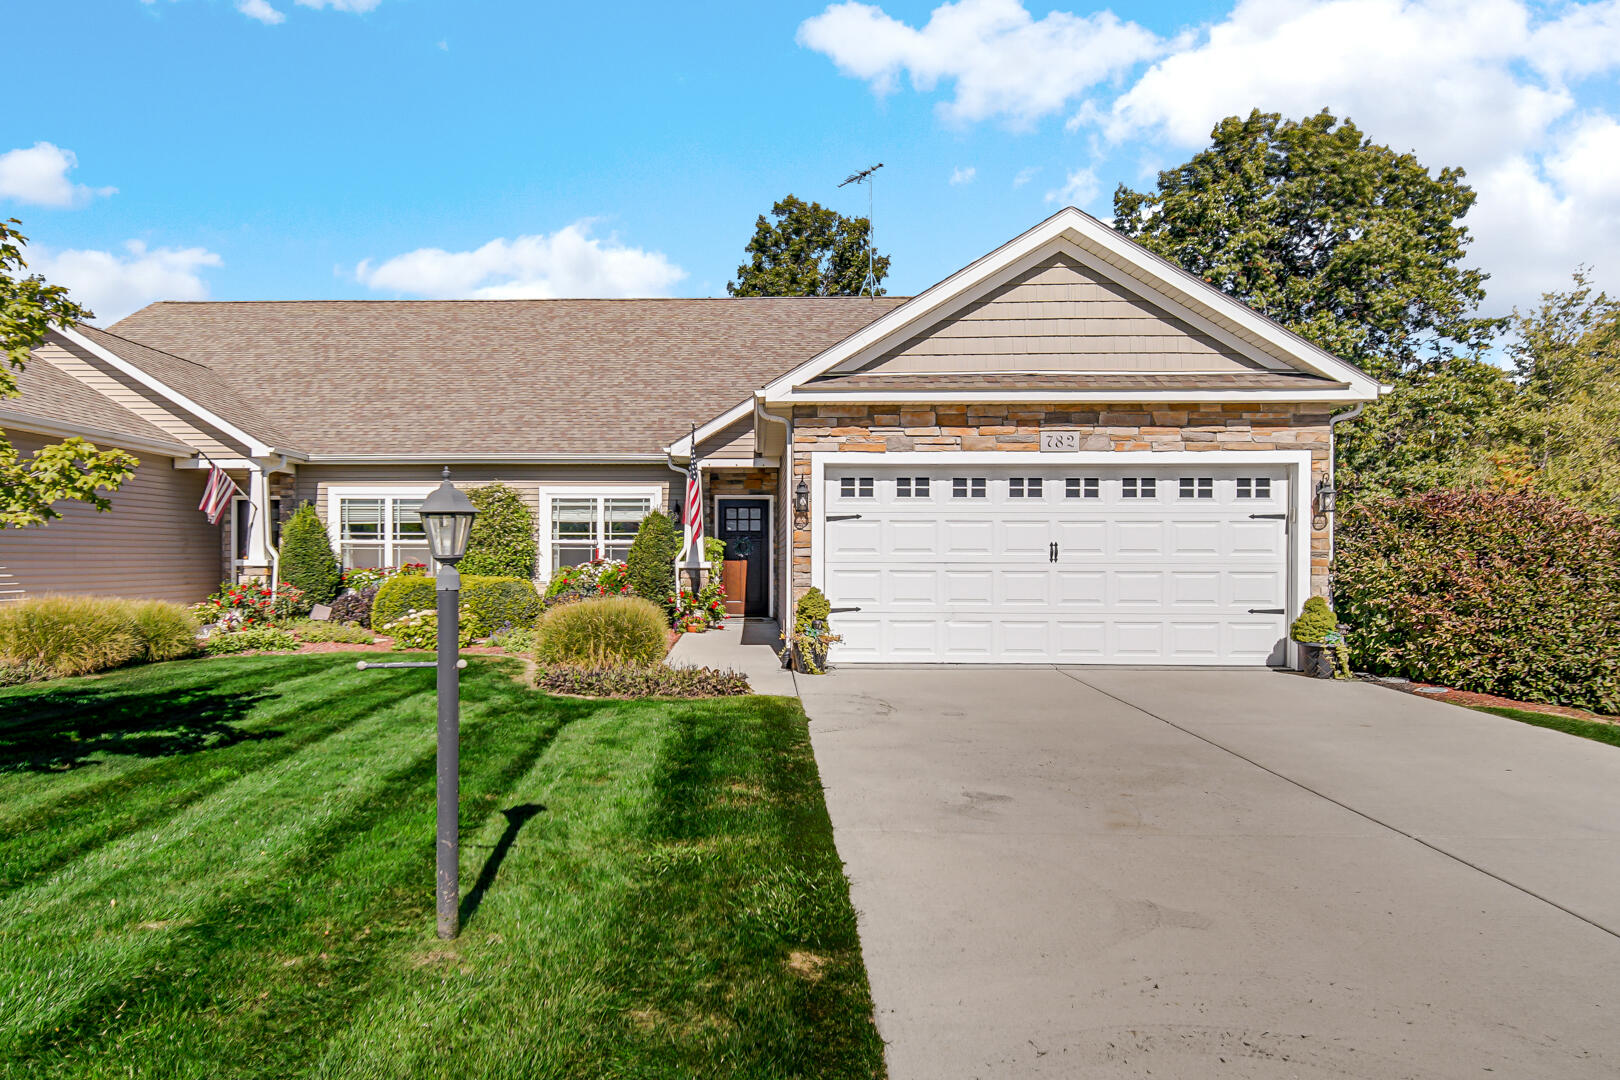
pixel 39 175
pixel 261 10
pixel 1490 85
pixel 1004 62
pixel 1079 188
pixel 1025 175
pixel 113 284
pixel 569 262
pixel 359 7
pixel 963 175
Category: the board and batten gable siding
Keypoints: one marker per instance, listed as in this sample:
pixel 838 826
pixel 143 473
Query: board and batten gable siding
pixel 139 400
pixel 154 543
pixel 1060 316
pixel 732 443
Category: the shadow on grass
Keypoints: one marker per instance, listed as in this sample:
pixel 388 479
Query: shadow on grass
pixel 73 725
pixel 515 817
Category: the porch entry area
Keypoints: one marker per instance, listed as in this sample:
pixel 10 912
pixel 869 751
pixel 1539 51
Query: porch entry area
pixel 745 526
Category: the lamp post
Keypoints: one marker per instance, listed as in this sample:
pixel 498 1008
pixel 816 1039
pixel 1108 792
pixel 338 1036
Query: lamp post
pixel 447 515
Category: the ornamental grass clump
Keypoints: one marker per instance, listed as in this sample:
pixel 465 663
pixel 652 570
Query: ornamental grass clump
pixel 615 631
pixel 78 635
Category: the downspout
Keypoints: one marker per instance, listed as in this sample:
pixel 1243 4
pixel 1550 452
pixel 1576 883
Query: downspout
pixel 1332 478
pixel 784 483
pixel 680 495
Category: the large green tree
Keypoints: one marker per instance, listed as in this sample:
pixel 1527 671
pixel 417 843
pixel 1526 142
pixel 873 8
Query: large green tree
pixel 1564 426
pixel 1360 250
pixel 805 249
pixel 69 470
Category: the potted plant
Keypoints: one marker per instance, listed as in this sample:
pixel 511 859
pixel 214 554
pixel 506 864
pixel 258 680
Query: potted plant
pixel 1317 628
pixel 811 637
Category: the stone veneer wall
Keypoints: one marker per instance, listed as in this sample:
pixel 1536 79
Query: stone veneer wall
pixel 878 429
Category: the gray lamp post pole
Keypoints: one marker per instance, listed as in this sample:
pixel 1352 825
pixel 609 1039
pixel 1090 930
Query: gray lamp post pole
pixel 447 517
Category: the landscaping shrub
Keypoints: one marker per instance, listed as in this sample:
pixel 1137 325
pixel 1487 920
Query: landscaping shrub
pixel 17 674
pixel 355 607
pixel 496 603
pixel 1315 623
pixel 1509 593
pixel 599 577
pixel 502 542
pixel 77 635
pixel 651 562
pixel 251 603
pixel 606 632
pixel 257 639
pixel 420 630
pixel 166 631
pixel 306 556
pixel 346 633
pixel 400 594
pixel 519 640
pixel 654 680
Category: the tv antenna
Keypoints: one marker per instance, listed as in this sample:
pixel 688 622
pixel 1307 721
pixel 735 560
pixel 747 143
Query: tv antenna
pixel 865 177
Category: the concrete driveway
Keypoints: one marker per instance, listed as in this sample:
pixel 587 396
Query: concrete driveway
pixel 1118 872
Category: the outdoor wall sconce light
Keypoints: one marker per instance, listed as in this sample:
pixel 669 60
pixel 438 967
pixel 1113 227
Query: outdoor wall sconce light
pixel 801 497
pixel 1326 497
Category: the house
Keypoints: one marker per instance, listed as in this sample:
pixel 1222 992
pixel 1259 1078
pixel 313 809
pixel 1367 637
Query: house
pixel 1068 451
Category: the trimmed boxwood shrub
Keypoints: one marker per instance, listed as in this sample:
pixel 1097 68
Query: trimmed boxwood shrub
pixel 651 561
pixel 399 595
pixel 497 603
pixel 502 542
pixel 612 631
pixel 77 635
pixel 306 557
pixel 1509 593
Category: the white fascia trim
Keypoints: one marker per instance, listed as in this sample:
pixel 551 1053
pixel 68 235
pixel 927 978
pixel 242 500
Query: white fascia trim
pixel 224 463
pixel 255 447
pixel 1056 397
pixel 1297 461
pixel 705 464
pixel 682 447
pixel 103 437
pixel 472 459
pixel 1084 230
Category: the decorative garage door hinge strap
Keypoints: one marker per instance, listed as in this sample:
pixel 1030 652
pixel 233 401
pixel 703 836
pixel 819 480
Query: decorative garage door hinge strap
pixel 842 517
pixel 836 610
pixel 1268 517
pixel 1267 611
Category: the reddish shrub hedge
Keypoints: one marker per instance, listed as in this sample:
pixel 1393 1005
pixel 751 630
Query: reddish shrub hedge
pixel 1509 593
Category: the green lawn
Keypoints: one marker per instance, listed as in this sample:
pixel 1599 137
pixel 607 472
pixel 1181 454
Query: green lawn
pixel 1595 730
pixel 224 868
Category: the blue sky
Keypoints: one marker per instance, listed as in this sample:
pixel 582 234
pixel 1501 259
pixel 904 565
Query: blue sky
pixel 374 148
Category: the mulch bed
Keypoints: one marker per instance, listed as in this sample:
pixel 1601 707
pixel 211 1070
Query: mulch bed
pixel 1468 697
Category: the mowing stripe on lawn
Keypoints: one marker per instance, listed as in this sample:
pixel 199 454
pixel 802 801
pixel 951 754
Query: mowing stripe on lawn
pixel 372 868
pixel 34 846
pixel 251 827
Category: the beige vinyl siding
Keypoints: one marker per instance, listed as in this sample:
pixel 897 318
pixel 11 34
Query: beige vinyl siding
pixel 733 443
pixel 152 543
pixel 120 388
pixel 1059 316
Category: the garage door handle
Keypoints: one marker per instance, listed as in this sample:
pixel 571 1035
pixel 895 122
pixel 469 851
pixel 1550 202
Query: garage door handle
pixel 1268 517
pixel 836 610
pixel 841 517
pixel 1052 552
pixel 1268 611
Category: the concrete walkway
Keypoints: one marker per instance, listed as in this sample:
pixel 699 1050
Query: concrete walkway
pixel 745 645
pixel 1133 873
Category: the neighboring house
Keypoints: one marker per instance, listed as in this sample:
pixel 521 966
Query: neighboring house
pixel 1068 451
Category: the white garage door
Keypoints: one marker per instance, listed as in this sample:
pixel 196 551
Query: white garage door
pixel 1071 564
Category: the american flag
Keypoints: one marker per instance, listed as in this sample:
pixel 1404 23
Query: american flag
pixel 217 495
pixel 692 512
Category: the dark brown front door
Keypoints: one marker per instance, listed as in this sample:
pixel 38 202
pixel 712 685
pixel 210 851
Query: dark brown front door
pixel 745 527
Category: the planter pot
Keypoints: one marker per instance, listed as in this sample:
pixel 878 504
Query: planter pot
pixel 1321 661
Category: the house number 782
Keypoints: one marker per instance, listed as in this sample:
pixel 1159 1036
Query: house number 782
pixel 1060 440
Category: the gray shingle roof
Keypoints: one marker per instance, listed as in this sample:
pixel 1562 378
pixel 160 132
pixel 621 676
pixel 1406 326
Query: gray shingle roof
pixel 497 376
pixel 51 395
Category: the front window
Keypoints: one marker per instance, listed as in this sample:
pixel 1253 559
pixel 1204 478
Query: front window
pixel 586 527
pixel 380 530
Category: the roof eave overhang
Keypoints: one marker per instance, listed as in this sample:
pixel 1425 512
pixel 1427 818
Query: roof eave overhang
pixel 989 395
pixel 12 420
pixel 490 458
pixel 1070 228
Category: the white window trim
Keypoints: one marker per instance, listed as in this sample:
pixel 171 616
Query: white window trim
pixel 337 492
pixel 655 493
pixel 1298 462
